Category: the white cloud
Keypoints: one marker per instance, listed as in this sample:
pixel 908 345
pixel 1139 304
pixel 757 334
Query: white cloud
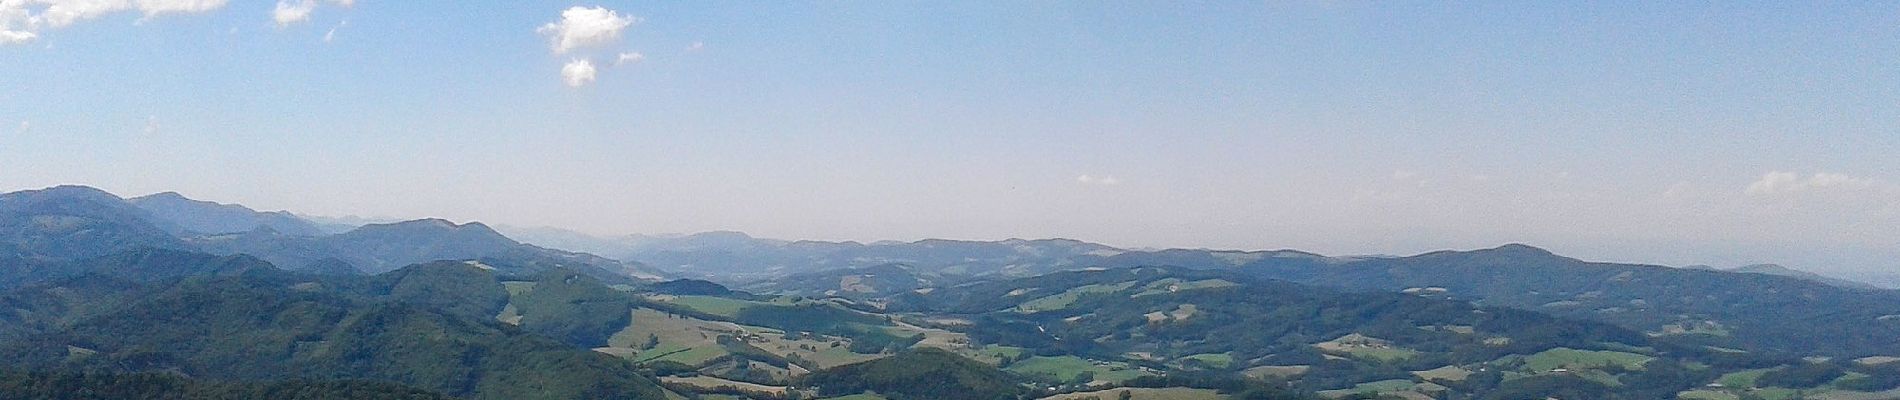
pixel 26 126
pixel 22 21
pixel 1105 180
pixel 151 124
pixel 16 37
pixel 331 35
pixel 629 58
pixel 585 26
pixel 155 7
pixel 578 72
pixel 288 12
pixel 1779 182
pixel 696 46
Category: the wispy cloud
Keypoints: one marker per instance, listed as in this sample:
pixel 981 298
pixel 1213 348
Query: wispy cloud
pixel 1104 180
pixel 21 23
pixel 696 46
pixel 331 35
pixel 585 26
pixel 1781 182
pixel 629 58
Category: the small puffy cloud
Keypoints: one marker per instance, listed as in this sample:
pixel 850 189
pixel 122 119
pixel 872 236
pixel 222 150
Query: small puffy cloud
pixel 585 26
pixel 293 11
pixel 26 126
pixel 629 58
pixel 151 124
pixel 1105 180
pixel 696 46
pixel 290 12
pixel 1779 182
pixel 579 72
pixel 22 21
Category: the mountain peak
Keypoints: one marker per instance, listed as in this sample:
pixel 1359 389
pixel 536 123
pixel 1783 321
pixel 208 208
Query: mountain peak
pixel 415 224
pixel 1764 269
pixel 65 192
pixel 174 199
pixel 437 225
pixel 1514 253
pixel 163 195
pixel 210 217
pixel 1520 248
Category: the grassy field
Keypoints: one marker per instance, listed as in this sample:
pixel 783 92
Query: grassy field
pixel 509 315
pixel 1216 360
pixel 1390 386
pixel 694 341
pixel 862 396
pixel 1851 395
pixel 720 306
pixel 1179 313
pixel 1582 359
pixel 1144 394
pixel 1742 379
pixel 1776 393
pixel 1707 395
pixel 516 288
pixel 1065 368
pixel 1449 372
pixel 1062 300
pixel 1171 285
pixel 1363 347
pixel 707 382
pixel 996 353
pixel 685 340
pixel 1276 371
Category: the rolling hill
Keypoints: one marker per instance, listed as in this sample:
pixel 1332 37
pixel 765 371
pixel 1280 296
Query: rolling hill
pixel 241 319
pixel 204 217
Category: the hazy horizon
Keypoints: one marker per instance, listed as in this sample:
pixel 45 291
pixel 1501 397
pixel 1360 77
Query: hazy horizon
pixel 1675 134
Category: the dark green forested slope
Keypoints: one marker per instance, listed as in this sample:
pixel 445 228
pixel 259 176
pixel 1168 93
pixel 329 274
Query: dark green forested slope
pixel 15 385
pixel 428 326
pixel 924 373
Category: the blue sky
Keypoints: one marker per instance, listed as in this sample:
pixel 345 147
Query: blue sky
pixel 1679 132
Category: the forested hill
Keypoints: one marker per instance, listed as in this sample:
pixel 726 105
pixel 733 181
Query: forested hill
pixel 427 327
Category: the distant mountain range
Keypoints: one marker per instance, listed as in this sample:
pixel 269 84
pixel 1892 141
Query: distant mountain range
pixel 91 282
pixel 204 217
pixel 1778 270
pixel 735 257
pixel 75 222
